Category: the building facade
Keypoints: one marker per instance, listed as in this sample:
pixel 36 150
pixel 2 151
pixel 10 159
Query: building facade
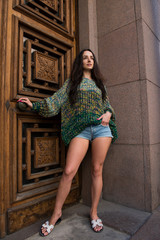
pixel 39 40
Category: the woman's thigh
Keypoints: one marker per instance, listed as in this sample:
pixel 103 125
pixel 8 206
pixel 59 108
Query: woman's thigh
pixel 76 152
pixel 100 146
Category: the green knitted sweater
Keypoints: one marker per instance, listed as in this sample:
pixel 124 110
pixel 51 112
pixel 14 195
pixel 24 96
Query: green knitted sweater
pixel 88 107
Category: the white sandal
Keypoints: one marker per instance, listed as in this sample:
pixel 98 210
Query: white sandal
pixel 49 228
pixel 95 223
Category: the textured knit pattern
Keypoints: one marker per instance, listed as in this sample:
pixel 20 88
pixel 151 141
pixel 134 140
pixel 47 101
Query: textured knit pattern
pixel 74 119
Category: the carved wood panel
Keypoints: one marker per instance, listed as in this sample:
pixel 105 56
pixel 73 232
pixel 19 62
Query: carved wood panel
pixel 40 48
pixel 30 177
pixel 46 151
pixel 46 68
pixel 38 155
pixel 43 62
pixel 55 13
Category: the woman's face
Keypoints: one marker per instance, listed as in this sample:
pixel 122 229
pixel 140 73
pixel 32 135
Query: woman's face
pixel 88 60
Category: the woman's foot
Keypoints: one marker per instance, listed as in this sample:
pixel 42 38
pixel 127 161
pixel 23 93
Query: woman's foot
pixel 55 219
pixel 96 222
pixel 97 225
pixel 48 228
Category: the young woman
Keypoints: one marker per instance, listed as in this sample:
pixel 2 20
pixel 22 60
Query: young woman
pixel 86 116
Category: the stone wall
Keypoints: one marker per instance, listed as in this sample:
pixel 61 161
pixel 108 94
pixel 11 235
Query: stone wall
pixel 128 36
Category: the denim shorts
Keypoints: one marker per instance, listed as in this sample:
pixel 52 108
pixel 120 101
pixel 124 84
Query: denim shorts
pixel 95 131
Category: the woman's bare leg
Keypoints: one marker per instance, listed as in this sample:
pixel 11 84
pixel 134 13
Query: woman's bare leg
pixel 100 148
pixel 76 152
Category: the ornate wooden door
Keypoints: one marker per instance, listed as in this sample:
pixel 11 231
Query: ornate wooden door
pixel 37 50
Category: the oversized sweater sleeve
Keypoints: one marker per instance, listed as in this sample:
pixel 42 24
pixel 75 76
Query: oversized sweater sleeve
pixel 51 106
pixel 107 106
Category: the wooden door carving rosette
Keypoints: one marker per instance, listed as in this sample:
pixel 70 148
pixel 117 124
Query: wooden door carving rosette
pixel 43 49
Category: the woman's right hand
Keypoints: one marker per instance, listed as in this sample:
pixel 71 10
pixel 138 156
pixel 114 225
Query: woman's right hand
pixel 25 100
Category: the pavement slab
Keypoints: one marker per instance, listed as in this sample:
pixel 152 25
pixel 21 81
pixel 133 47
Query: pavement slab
pixel 122 218
pixel 78 228
pixel 151 229
pixel 120 223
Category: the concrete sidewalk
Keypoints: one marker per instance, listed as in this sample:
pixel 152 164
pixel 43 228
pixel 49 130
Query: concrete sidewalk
pixel 120 223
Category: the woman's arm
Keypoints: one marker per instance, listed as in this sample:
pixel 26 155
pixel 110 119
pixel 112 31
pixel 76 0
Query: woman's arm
pixel 107 107
pixel 50 106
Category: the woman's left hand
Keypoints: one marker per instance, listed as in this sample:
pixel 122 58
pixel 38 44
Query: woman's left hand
pixel 105 118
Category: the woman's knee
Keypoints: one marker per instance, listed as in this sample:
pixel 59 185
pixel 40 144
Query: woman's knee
pixel 97 170
pixel 68 173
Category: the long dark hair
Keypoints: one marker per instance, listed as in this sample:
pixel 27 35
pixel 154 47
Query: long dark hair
pixel 77 74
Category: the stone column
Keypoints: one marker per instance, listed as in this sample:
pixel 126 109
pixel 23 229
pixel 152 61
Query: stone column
pixel 150 22
pixel 128 45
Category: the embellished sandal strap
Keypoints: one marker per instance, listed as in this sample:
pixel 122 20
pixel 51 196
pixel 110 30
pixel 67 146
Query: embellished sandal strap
pixel 97 222
pixel 48 227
